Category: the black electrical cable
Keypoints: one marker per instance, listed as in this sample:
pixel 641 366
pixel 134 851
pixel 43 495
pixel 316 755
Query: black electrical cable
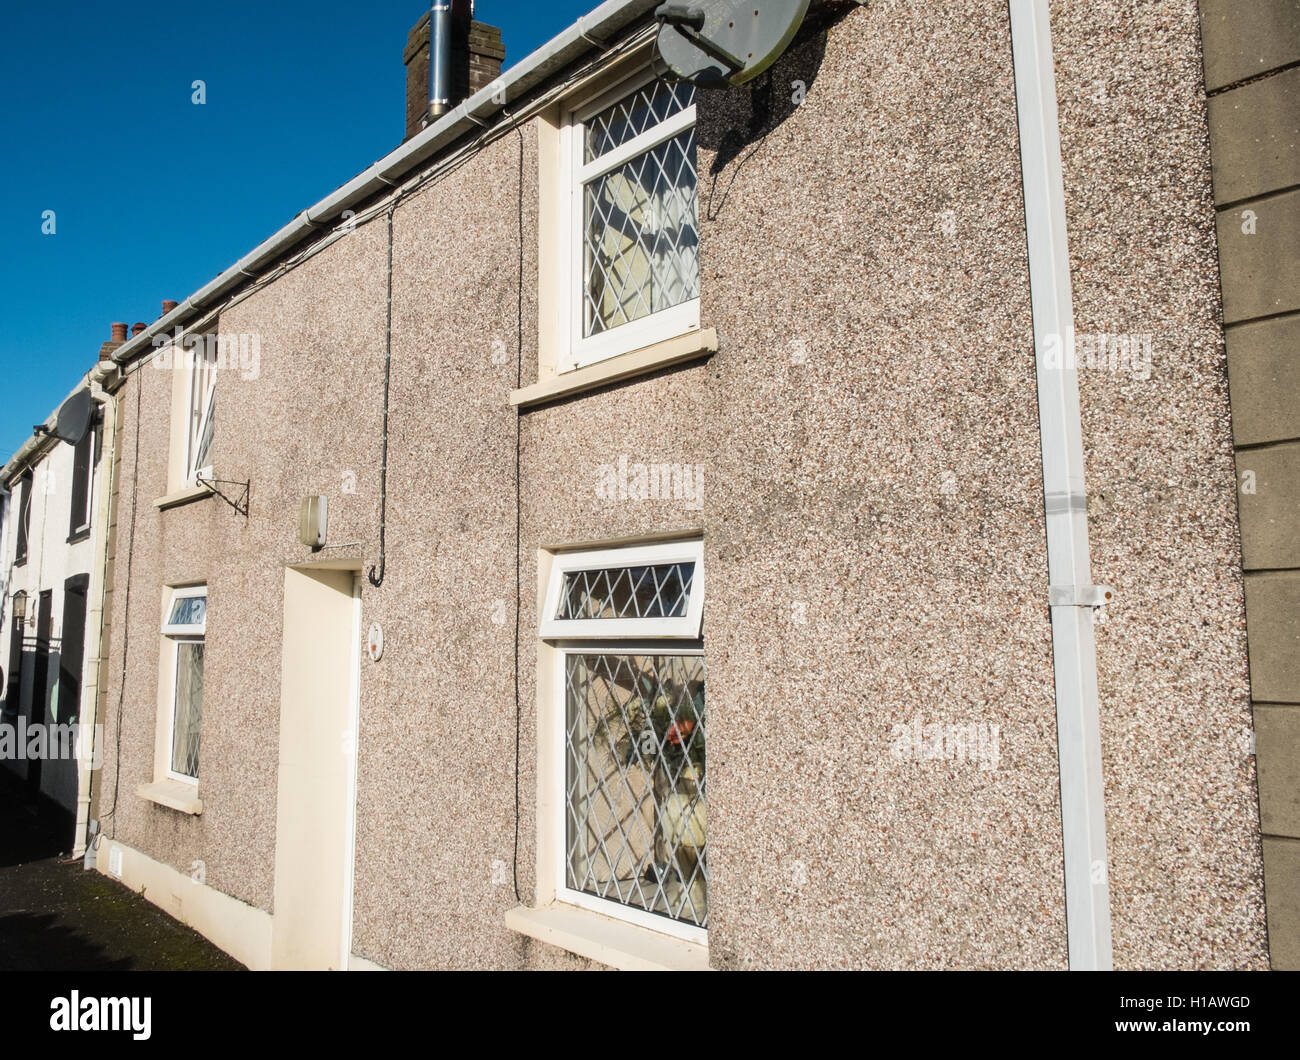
pixel 388 363
pixel 519 378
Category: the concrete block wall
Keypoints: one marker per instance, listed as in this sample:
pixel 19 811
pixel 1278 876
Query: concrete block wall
pixel 1252 80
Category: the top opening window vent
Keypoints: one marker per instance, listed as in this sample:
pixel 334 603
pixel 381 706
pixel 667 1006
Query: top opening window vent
pixel 654 591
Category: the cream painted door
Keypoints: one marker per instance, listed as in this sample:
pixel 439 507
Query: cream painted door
pixel 316 787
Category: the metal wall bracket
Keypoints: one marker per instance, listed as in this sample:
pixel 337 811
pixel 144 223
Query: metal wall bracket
pixel 1079 595
pixel 239 502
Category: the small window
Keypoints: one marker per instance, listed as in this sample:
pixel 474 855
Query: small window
pixel 654 591
pixel 634 219
pixel 631 730
pixel 185 627
pixel 24 520
pixel 84 459
pixel 201 413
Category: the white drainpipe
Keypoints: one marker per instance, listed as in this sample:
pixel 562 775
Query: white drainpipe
pixel 96 617
pixel 1072 596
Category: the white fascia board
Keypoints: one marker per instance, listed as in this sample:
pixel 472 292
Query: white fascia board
pixel 591 31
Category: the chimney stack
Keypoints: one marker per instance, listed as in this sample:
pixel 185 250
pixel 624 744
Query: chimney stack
pixel 476 57
pixel 119 337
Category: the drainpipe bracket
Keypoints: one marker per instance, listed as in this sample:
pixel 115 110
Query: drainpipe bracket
pixel 1079 595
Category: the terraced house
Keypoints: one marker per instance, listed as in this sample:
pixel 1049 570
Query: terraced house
pixel 54 512
pixel 660 522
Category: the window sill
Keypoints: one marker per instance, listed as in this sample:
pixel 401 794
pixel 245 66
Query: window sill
pixel 79 535
pixel 692 346
pixel 174 795
pixel 184 495
pixel 609 941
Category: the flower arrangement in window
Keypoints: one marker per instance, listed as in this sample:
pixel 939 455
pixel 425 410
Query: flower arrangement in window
pixel 655 726
pixel 665 736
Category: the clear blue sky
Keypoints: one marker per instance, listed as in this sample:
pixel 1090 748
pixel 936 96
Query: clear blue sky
pixel 153 195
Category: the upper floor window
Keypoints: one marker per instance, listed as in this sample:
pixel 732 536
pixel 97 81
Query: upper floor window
pixel 633 219
pixel 85 457
pixel 23 522
pixel 201 410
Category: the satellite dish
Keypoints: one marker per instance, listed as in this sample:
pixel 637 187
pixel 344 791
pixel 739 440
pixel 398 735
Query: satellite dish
pixel 721 43
pixel 74 417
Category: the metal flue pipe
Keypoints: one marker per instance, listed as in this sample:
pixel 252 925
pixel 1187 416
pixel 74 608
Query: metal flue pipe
pixel 439 58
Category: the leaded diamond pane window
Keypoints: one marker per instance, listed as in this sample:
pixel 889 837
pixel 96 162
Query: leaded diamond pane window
pixel 634 784
pixel 659 591
pixel 187 709
pixel 639 208
pixel 635 114
pixel 651 591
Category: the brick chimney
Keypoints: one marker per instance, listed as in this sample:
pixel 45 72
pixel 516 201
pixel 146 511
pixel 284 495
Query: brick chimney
pixel 119 337
pixel 476 57
pixel 483 55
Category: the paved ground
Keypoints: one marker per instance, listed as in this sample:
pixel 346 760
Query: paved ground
pixel 56 916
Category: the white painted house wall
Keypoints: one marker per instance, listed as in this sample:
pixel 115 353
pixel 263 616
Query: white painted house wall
pixel 51 559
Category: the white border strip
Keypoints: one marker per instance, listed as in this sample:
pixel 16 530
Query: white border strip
pixel 354 731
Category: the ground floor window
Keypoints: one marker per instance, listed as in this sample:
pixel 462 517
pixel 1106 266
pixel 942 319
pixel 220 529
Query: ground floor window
pixel 635 729
pixel 185 628
pixel 627 627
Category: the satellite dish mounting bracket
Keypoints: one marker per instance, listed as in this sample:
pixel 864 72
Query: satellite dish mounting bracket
pixel 725 43
pixel 688 21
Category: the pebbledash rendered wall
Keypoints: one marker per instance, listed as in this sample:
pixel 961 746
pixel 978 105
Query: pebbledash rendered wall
pixel 871 512
pixel 1181 797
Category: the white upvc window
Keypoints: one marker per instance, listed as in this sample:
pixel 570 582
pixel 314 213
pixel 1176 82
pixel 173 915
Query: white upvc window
pixel 84 460
pixel 185 629
pixel 632 220
pixel 200 411
pixel 646 592
pixel 629 730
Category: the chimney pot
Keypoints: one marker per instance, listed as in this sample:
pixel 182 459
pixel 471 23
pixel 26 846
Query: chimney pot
pixel 137 327
pixel 168 306
pixel 119 332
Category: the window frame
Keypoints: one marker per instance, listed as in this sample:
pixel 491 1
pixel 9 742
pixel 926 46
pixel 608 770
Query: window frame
pixel 177 634
pixel 560 639
pixel 23 522
pixel 196 414
pixel 687 627
pixel 577 350
pixel 559 783
pixel 88 450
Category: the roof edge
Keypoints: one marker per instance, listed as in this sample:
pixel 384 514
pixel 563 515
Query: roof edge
pixel 592 31
pixel 35 447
